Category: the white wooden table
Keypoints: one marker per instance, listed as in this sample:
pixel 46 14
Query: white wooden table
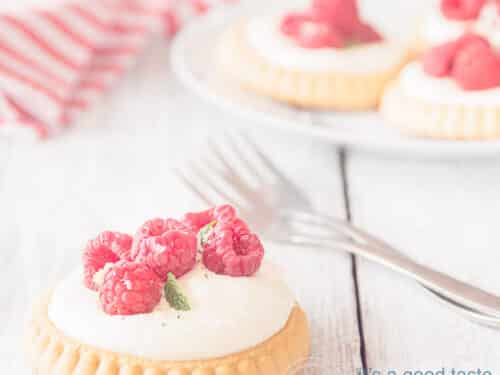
pixel 112 171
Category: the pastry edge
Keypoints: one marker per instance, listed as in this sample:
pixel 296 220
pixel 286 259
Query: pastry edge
pixel 50 352
pixel 324 90
pixel 435 120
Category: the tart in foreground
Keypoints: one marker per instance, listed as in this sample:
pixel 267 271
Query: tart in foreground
pixel 51 353
pixel 142 306
pixel 323 57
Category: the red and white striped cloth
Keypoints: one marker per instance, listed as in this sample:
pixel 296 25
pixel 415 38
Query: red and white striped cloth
pixel 56 63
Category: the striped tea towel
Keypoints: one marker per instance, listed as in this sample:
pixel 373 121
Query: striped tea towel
pixel 55 63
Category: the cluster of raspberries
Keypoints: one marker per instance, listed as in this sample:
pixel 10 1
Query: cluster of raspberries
pixel 470 60
pixel 463 10
pixel 329 24
pixel 130 272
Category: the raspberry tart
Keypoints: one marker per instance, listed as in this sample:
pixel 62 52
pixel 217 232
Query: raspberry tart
pixel 450 19
pixel 323 57
pixel 193 296
pixel 452 93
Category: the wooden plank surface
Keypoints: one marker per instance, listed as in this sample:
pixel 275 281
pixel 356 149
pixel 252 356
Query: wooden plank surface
pixel 113 172
pixel 444 214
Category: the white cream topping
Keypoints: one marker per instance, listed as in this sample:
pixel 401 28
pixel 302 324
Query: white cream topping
pixel 437 29
pixel 264 36
pixel 488 24
pixel 228 315
pixel 418 84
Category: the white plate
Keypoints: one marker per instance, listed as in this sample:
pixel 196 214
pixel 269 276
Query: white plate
pixel 191 59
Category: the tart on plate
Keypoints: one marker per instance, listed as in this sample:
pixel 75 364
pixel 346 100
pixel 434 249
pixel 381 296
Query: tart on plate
pixel 452 93
pixel 323 57
pixel 193 296
pixel 450 19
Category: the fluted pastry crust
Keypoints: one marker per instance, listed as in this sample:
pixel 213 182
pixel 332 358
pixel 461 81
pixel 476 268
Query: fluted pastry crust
pixel 436 120
pixel 52 353
pixel 323 90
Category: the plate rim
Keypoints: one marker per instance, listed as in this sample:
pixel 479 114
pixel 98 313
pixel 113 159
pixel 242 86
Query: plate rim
pixel 403 146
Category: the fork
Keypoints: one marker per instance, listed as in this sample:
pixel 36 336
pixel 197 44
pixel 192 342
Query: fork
pixel 277 209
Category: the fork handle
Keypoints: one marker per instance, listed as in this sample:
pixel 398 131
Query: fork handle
pixel 466 294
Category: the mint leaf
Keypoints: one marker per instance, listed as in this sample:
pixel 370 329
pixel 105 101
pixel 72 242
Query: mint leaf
pixel 205 231
pixel 174 296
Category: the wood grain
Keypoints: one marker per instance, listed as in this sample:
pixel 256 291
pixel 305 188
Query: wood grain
pixel 444 215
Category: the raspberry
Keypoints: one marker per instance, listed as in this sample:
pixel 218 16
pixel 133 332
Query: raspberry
pixel 173 251
pixel 343 14
pixel 470 38
pixel 231 249
pixel 224 214
pixel 197 220
pixel 477 67
pixel 107 247
pixel 130 288
pixel 438 61
pixel 319 35
pixel 366 33
pixel 329 24
pixel 291 22
pixel 310 31
pixel 462 10
pixel 156 227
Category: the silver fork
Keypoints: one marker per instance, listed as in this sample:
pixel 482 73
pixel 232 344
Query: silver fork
pixel 280 212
